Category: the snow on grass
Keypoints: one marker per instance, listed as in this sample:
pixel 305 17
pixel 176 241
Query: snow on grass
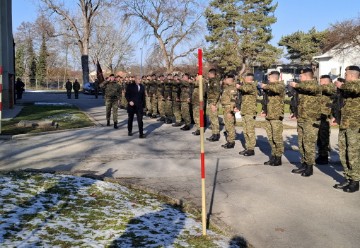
pixel 46 210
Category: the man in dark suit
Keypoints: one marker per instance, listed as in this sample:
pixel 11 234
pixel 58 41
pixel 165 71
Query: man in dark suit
pixel 135 96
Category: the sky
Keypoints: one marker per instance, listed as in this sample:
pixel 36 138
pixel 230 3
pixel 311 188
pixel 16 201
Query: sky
pixel 292 15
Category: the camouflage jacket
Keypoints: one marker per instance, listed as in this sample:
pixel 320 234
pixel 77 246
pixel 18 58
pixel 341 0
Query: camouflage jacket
pixel 327 97
pixel 350 117
pixel 249 96
pixel 213 90
pixel 196 93
pixel 168 89
pixel 228 96
pixel 112 90
pixel 160 90
pixel 309 107
pixel 152 88
pixel 175 91
pixel 275 96
pixel 185 93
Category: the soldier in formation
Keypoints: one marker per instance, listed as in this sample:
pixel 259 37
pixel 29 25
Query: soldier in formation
pixel 112 96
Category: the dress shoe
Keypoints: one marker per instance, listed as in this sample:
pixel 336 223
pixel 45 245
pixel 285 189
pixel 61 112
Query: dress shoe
pixel 352 187
pixel 322 160
pixel 308 171
pixel 342 185
pixel 249 153
pixel 215 137
pixel 299 170
pixel 229 145
pixel 196 133
pixel 176 124
pixel 242 152
pixel 130 134
pixel 271 161
pixel 185 128
pixel 142 136
pixel 108 123
pixel 277 161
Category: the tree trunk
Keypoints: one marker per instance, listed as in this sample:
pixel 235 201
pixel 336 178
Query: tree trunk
pixel 85 68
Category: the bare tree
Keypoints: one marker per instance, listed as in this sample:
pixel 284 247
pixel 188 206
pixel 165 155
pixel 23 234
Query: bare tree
pixel 173 23
pixel 80 24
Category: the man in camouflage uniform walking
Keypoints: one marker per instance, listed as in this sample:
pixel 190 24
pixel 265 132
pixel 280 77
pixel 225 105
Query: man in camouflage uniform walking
pixel 185 97
pixel 327 97
pixel 274 109
pixel 228 99
pixel 176 101
pixel 213 96
pixel 248 112
pixel 308 120
pixel 112 96
pixel 349 134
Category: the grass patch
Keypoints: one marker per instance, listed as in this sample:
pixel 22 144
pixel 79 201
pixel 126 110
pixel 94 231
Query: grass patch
pixel 67 117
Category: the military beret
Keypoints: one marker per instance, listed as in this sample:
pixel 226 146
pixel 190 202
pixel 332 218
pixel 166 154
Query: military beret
pixel 306 70
pixel 341 80
pixel 352 68
pixel 249 74
pixel 325 76
pixel 274 72
pixel 112 75
pixel 230 76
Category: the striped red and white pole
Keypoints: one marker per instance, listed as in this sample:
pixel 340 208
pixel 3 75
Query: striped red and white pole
pixel 1 90
pixel 202 149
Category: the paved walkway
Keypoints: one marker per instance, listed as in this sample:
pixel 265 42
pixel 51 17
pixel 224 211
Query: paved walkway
pixel 268 206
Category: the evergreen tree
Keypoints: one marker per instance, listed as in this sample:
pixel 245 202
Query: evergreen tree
pixel 240 33
pixel 42 65
pixel 302 47
pixel 31 62
pixel 20 61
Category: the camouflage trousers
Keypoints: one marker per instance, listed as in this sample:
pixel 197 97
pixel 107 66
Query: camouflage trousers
pixel 185 112
pixel 111 104
pixel 349 151
pixel 249 131
pixel 148 105
pixel 123 101
pixel 154 105
pixel 168 108
pixel 229 121
pixel 196 115
pixel 274 130
pixel 177 111
pixel 214 120
pixel 323 140
pixel 161 107
pixel 307 135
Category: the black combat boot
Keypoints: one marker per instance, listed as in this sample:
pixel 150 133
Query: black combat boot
pixel 176 124
pixel 215 138
pixel 352 187
pixel 271 161
pixel 229 145
pixel 277 161
pixel 342 185
pixel 308 171
pixel 115 125
pixel 162 118
pixel 322 160
pixel 196 133
pixel 153 117
pixel 299 170
pixel 210 138
pixel 249 153
pixel 242 152
pixel 108 123
pixel 185 128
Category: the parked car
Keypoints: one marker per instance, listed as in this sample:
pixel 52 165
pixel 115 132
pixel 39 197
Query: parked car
pixel 89 88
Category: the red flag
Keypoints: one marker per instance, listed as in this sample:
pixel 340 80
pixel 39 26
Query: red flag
pixel 99 73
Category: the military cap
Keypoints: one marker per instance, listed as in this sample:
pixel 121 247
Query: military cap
pixel 306 70
pixel 341 80
pixel 274 72
pixel 352 68
pixel 249 74
pixel 112 75
pixel 230 75
pixel 153 75
pixel 325 76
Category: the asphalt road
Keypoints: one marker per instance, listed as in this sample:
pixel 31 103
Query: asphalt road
pixel 269 207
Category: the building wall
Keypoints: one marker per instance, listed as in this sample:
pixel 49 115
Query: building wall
pixel 7 53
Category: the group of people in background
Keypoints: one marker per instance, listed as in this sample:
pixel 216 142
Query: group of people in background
pixel 69 86
pixel 174 99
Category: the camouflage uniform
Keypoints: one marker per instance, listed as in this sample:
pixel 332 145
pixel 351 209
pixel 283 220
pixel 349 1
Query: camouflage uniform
pixel 308 121
pixel 248 113
pixel 196 103
pixel 153 97
pixel 213 96
pixel 349 134
pixel 123 98
pixel 228 99
pixel 176 100
pixel 112 96
pixel 274 115
pixel 323 141
pixel 185 95
pixel 168 99
pixel 147 97
pixel 160 98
